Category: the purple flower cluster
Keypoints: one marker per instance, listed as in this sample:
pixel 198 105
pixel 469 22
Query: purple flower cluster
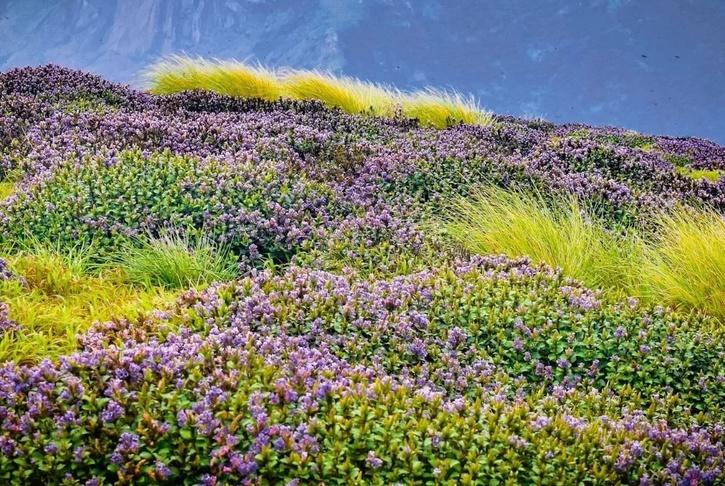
pixel 289 376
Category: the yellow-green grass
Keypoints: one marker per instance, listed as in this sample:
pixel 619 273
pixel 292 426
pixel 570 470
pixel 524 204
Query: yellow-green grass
pixel 711 175
pixel 681 265
pixel 436 108
pixel 6 189
pixel 57 299
pixel 348 94
pixel 558 233
pixel 178 73
pixel 175 260
pixel 442 109
pixel 684 265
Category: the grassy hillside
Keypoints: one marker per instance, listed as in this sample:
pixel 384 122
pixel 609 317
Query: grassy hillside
pixel 256 277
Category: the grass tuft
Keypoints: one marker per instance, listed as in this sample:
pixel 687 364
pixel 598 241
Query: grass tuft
pixel 431 107
pixel 442 109
pixel 178 73
pixel 55 299
pixel 685 263
pixel 176 261
pixel 348 94
pixel 682 264
pixel 559 233
pixel 712 175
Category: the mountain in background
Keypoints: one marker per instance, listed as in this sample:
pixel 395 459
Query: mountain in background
pixel 656 66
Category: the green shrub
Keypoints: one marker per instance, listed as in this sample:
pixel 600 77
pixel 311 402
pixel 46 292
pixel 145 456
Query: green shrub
pixel 232 202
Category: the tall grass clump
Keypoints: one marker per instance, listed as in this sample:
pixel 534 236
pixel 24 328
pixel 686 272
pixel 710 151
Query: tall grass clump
pixel 431 107
pixel 557 232
pixel 175 260
pixel 685 261
pixel 348 94
pixel 680 263
pixel 441 109
pixel 178 73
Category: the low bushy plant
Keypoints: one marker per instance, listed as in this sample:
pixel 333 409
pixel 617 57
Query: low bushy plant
pixel 441 376
pixel 252 208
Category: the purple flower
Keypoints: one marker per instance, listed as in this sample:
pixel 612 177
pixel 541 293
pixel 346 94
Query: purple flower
pixel 373 461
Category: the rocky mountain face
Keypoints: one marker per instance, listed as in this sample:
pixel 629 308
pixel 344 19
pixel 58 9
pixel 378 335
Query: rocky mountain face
pixel 651 66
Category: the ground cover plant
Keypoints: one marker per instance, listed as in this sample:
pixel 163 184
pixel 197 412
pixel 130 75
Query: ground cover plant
pixel 249 288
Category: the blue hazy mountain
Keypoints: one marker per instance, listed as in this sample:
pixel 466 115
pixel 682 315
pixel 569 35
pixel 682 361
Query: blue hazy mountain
pixel 651 65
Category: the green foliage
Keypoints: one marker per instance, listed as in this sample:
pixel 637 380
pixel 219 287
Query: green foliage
pixel 175 260
pixel 344 423
pixel 106 204
pixel 677 160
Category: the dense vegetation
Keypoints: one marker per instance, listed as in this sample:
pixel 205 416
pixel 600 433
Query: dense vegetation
pixel 289 293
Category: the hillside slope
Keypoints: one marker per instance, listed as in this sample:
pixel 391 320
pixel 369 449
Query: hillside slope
pixel 357 343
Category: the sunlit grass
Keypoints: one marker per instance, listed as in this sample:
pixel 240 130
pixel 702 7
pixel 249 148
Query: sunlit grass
pixel 177 73
pixel 348 94
pixel 56 299
pixel 175 261
pixel 6 189
pixel 442 109
pixel 711 175
pixel 681 264
pixel 435 108
pixel 685 263
pixel 558 233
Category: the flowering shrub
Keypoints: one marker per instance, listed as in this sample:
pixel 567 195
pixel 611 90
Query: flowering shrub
pixel 444 375
pixel 360 346
pixel 251 207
